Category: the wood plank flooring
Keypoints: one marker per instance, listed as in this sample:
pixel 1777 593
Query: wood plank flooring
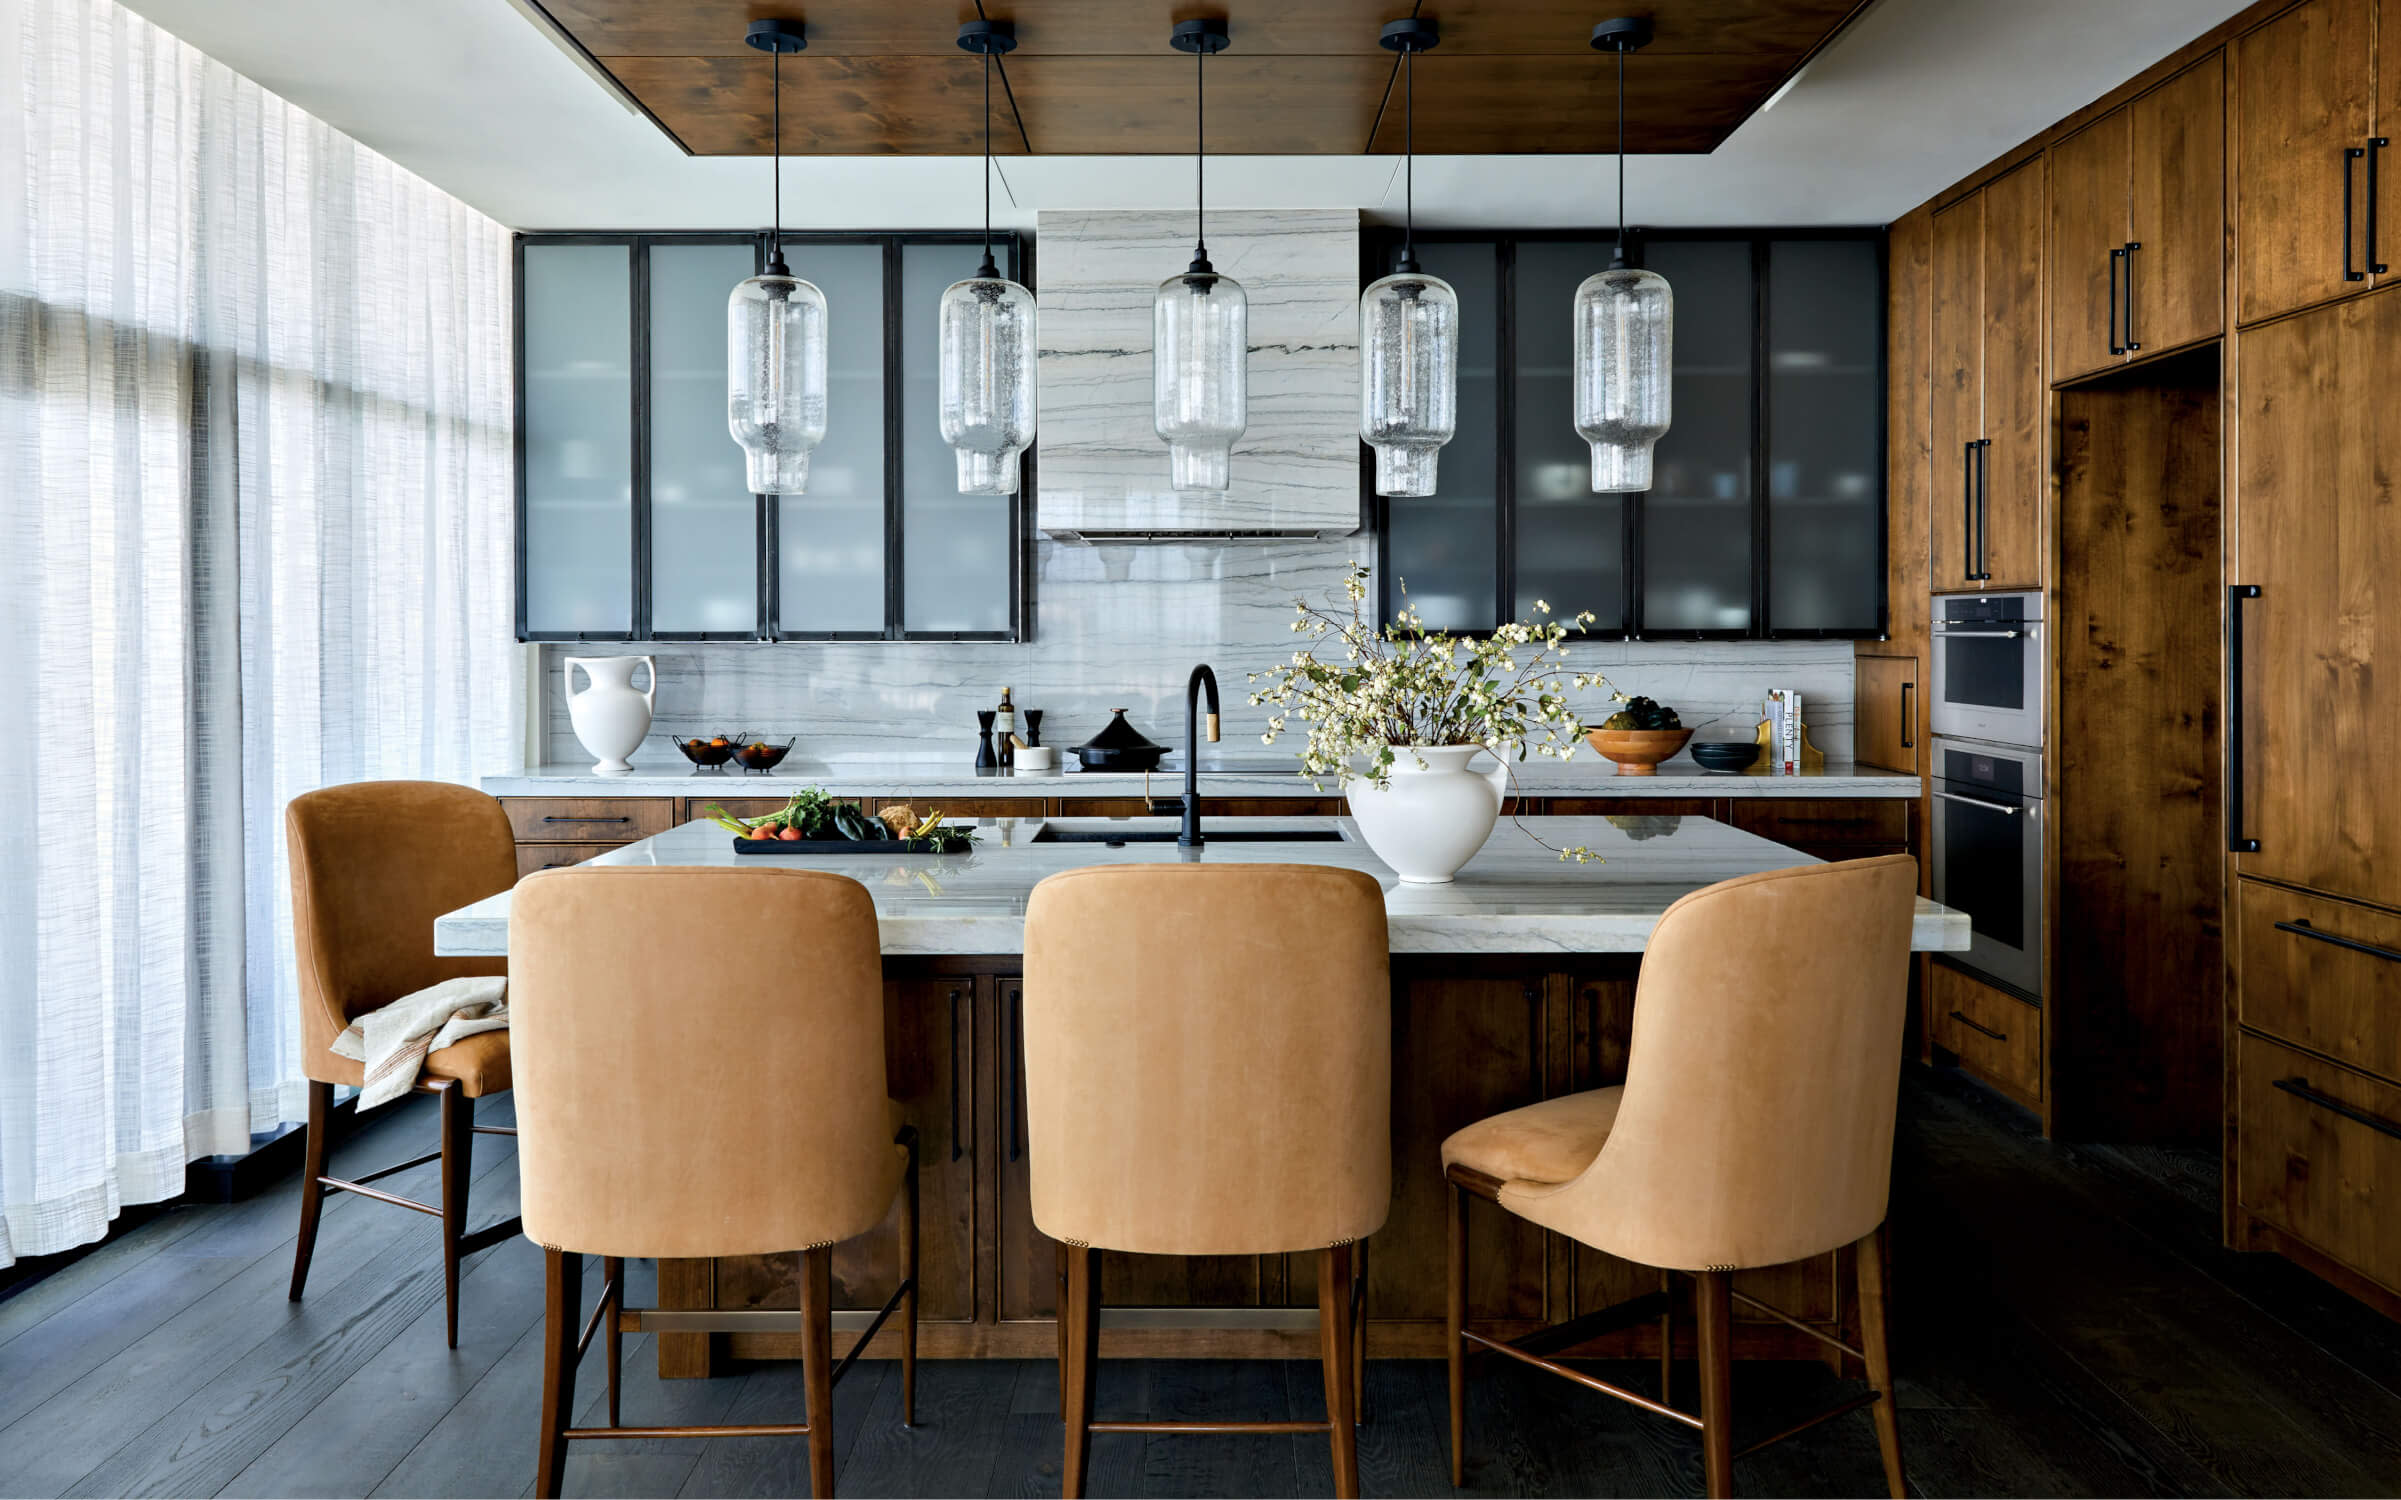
pixel 2067 1325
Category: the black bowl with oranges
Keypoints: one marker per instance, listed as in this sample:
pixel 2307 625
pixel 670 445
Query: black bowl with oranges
pixel 712 752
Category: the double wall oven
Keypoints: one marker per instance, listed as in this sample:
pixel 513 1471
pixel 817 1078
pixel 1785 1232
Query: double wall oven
pixel 1987 837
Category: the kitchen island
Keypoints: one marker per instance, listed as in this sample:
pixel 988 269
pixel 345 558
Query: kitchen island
pixel 1513 984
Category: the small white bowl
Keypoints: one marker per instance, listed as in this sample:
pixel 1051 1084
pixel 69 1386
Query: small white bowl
pixel 1037 758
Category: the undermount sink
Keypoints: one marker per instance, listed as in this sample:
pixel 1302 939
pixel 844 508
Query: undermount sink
pixel 1053 833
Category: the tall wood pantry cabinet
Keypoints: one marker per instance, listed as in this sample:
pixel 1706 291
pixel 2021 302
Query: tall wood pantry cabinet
pixel 1991 412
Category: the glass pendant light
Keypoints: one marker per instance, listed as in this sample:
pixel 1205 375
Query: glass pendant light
pixel 1408 325
pixel 775 331
pixel 1625 328
pixel 1200 326
pixel 987 334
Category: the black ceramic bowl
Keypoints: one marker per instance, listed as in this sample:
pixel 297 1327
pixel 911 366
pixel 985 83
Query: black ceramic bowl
pixel 1725 755
pixel 707 754
pixel 761 756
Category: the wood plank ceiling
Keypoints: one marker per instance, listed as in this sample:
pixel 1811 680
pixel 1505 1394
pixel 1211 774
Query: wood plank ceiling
pixel 1097 78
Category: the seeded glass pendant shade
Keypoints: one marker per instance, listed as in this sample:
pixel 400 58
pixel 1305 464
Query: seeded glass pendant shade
pixel 1200 333
pixel 1408 327
pixel 1625 330
pixel 775 333
pixel 987 334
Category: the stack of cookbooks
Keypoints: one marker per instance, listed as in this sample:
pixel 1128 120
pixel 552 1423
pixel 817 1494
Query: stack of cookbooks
pixel 1784 730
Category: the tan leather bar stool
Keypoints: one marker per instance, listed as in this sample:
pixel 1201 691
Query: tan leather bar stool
pixel 700 1073
pixel 1754 1128
pixel 1208 1071
pixel 373 864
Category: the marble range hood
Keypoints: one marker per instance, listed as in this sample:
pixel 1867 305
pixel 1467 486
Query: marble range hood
pixel 1102 471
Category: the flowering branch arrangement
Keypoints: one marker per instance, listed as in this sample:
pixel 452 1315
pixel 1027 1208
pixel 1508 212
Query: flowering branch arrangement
pixel 1368 693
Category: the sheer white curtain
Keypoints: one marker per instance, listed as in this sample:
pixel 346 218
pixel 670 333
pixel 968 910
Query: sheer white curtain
pixel 254 538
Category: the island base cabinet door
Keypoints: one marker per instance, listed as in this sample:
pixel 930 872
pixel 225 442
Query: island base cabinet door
pixel 2316 711
pixel 2302 103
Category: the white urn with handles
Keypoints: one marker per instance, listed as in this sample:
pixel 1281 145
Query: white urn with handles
pixel 1434 814
pixel 610 715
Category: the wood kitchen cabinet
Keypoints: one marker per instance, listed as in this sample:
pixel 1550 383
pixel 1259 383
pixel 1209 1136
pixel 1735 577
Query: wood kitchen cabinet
pixel 1888 708
pixel 2138 226
pixel 2315 706
pixel 1990 415
pixel 2310 94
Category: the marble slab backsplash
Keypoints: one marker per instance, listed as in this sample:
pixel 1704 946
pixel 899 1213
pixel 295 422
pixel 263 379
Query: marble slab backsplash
pixel 1121 627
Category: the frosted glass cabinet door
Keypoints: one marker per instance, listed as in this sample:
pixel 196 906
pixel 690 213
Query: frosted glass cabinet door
pixel 830 541
pixel 579 478
pixel 1444 548
pixel 1696 517
pixel 954 548
pixel 1825 458
pixel 1571 543
pixel 704 522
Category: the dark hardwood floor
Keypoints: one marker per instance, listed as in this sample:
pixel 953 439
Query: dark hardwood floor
pixel 2068 1325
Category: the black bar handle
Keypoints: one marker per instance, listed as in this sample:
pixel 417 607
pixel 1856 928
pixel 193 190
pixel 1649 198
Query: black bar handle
pixel 1017 1077
pixel 2117 263
pixel 1967 510
pixel 1907 718
pixel 956 1150
pixel 556 819
pixel 2299 1088
pixel 1963 1019
pixel 2302 928
pixel 2236 843
pixel 2131 247
pixel 2376 143
pixel 2350 155
pixel 1983 507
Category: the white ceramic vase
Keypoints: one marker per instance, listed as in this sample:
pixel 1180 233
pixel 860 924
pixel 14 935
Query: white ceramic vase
pixel 610 716
pixel 1435 813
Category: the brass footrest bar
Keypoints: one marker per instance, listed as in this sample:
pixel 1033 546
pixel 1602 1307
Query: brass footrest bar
pixel 1237 1427
pixel 379 1195
pixel 1633 1398
pixel 495 1130
pixel 743 1320
pixel 1781 1316
pixel 1806 1423
pixel 761 1429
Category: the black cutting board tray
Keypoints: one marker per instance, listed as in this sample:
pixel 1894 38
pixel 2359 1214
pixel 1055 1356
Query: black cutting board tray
pixel 839 846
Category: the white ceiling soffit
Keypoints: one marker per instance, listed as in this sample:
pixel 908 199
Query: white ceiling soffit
pixel 475 97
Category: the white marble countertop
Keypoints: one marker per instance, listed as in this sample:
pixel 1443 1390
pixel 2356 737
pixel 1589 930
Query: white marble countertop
pixel 660 772
pixel 1515 896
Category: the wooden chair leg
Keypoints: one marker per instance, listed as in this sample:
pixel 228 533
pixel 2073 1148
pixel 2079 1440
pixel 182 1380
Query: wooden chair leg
pixel 1454 1327
pixel 1359 1333
pixel 1080 1312
pixel 1875 1290
pixel 1667 1340
pixel 1334 1343
pixel 1059 1303
pixel 1715 1305
pixel 562 1304
pixel 458 1169
pixel 612 1280
pixel 908 1303
pixel 312 1192
pixel 817 1362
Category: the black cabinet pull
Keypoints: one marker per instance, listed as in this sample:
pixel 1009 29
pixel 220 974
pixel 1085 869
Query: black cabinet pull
pixel 1906 719
pixel 1983 507
pixel 2128 252
pixel 2350 155
pixel 556 819
pixel 2303 929
pixel 956 1150
pixel 2299 1088
pixel 1963 1019
pixel 2376 143
pixel 1016 1082
pixel 1967 510
pixel 2236 843
pixel 2117 263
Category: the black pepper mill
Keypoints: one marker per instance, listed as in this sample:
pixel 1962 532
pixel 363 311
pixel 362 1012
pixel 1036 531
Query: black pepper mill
pixel 1033 726
pixel 984 758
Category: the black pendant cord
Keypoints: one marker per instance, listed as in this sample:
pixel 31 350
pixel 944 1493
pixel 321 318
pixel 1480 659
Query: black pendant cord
pixel 1620 258
pixel 775 234
pixel 1200 162
pixel 988 270
pixel 1409 161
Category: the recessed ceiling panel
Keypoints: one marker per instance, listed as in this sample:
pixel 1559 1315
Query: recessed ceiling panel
pixel 1096 77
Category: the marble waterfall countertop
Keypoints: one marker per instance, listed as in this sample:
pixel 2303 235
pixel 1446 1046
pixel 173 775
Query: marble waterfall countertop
pixel 659 771
pixel 1515 896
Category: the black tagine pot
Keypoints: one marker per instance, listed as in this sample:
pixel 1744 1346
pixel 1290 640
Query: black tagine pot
pixel 1119 747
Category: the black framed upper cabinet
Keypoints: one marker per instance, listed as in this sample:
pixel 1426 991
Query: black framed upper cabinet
pixel 636 522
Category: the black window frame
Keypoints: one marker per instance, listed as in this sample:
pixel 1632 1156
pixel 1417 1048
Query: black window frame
pixel 1377 248
pixel 1015 254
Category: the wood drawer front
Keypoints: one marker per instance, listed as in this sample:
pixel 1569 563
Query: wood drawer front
pixel 1998 1037
pixel 532 857
pixel 954 809
pixel 1878 821
pixel 1629 807
pixel 2305 1166
pixel 2328 996
pixel 588 820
